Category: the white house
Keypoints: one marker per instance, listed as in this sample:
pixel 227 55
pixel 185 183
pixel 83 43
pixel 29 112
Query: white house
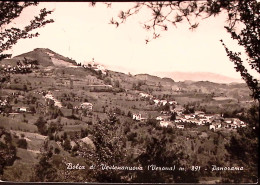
pixel 51 97
pixel 228 120
pixel 180 126
pixel 243 125
pixel 57 103
pixel 189 116
pixel 173 102
pixel 209 117
pixel 159 118
pixel 233 126
pixel 145 95
pixel 163 102
pixel 212 127
pixel 3 103
pixel 163 118
pixel 156 101
pixel 86 106
pixel 138 117
pixel 177 120
pixel 165 123
pixel 215 126
pixel 100 67
pixel 218 125
pixel 97 67
pixel 203 120
pixel 23 109
pixel 236 121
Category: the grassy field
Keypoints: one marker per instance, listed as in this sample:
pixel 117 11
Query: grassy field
pixel 13 124
pixel 34 140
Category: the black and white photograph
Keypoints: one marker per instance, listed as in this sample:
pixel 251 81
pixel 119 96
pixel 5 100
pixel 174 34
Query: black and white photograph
pixel 130 92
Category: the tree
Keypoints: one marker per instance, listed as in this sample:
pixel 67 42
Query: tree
pixel 173 116
pixel 189 108
pixel 25 88
pixel 67 145
pixel 22 143
pixel 44 170
pixel 41 125
pixel 71 84
pixel 9 10
pixel 109 150
pixel 129 114
pixel 117 83
pixel 245 12
pixel 134 86
pixel 157 153
pixel 7 150
pixel 56 150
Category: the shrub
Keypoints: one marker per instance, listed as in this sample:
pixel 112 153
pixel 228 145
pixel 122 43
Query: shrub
pixel 22 143
pixel 56 151
pixel 67 145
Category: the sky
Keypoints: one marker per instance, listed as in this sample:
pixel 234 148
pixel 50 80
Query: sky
pixel 82 32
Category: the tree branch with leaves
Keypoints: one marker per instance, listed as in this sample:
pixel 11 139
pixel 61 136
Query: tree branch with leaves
pixel 164 14
pixel 9 10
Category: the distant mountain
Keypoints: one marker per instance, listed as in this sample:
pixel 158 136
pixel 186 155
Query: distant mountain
pixel 151 79
pixel 198 76
pixel 147 77
pixel 47 57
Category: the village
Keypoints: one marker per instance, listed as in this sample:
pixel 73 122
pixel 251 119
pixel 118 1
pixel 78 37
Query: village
pixel 176 117
pixel 22 66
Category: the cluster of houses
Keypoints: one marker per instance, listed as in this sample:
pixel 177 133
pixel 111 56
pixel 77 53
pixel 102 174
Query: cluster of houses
pixel 13 109
pixel 50 99
pixel 145 95
pixel 156 101
pixel 198 118
pixel 215 121
pixel 3 103
pixel 96 67
pixel 85 106
pixel 21 109
pixel 227 123
pixel 19 68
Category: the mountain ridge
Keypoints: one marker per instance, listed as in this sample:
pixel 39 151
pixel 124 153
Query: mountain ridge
pixel 46 57
pixel 199 76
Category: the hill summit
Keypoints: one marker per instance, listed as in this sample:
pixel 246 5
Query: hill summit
pixel 47 57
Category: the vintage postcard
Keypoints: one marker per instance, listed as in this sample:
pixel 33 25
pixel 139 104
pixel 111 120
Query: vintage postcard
pixel 129 92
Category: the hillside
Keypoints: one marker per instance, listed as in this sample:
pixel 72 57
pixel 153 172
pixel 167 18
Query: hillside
pixel 54 112
pixel 148 77
pixel 60 65
pixel 47 57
